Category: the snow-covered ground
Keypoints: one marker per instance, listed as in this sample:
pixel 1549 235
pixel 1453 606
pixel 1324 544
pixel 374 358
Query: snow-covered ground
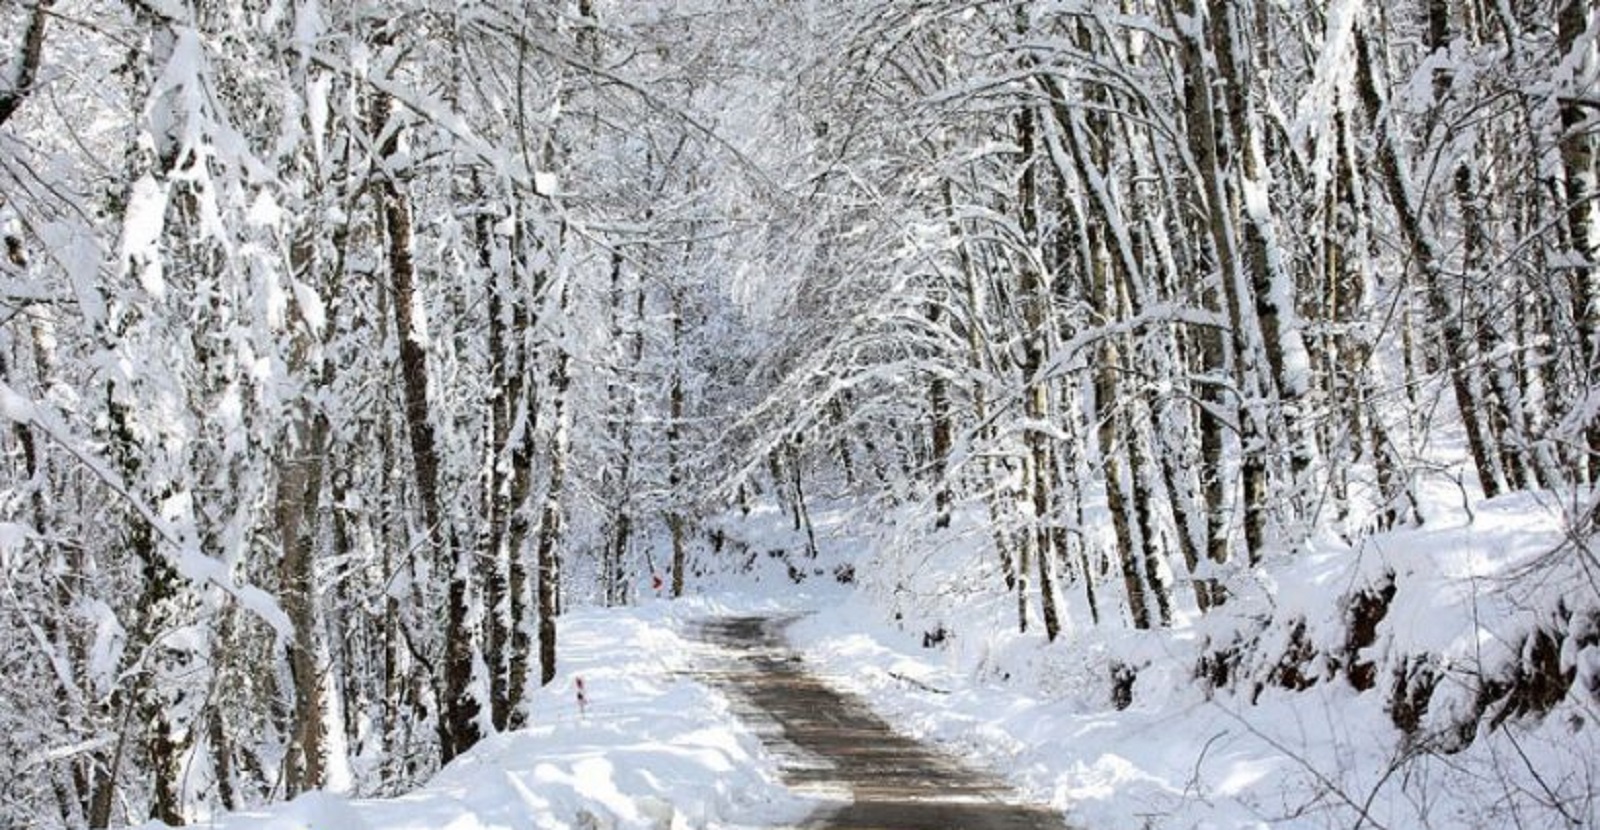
pixel 651 749
pixel 656 748
pixel 1176 759
pixel 1256 755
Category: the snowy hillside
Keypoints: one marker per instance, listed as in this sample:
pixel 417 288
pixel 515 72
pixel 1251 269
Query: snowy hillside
pixel 1253 753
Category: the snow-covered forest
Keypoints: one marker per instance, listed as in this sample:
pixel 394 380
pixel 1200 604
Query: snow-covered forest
pixel 347 348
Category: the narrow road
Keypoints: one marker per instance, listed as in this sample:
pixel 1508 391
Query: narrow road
pixel 829 740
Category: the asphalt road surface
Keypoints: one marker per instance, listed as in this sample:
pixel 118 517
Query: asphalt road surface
pixel 830 741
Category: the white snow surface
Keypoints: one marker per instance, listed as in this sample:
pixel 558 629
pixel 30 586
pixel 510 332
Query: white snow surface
pixel 657 748
pixel 141 234
pixel 653 749
pixel 1040 713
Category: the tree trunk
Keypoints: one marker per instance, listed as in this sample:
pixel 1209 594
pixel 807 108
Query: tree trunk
pixel 1576 25
pixel 296 512
pixel 1425 257
pixel 1202 134
pixel 939 414
pixel 496 506
pixel 1033 293
pixel 60 623
pixel 145 703
pixel 802 512
pixel 675 413
pixel 614 560
pixel 1115 276
pixel 26 68
pixel 523 405
pixel 1106 391
pixel 550 522
pixel 976 359
pixel 459 707
pixel 1269 286
pixel 295 509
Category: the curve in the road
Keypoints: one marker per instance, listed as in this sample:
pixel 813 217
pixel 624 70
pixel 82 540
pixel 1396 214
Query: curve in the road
pixel 830 740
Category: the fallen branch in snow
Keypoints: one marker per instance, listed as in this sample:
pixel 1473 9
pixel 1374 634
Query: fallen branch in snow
pixel 918 683
pixel 1363 808
pixel 1552 799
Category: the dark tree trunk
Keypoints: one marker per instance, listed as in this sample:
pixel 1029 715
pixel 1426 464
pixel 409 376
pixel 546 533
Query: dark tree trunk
pixel 1580 148
pixel 550 523
pixel 20 85
pixel 458 727
pixel 675 413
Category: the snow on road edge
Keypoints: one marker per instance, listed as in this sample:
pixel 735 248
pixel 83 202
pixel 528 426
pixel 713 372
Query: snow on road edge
pixel 940 658
pixel 654 749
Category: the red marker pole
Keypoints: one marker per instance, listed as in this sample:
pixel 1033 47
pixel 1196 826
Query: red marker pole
pixel 583 698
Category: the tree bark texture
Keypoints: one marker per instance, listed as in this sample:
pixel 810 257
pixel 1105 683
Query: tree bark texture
pixel 458 728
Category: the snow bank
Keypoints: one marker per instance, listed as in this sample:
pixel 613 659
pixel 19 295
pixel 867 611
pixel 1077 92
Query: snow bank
pixel 653 749
pixel 931 642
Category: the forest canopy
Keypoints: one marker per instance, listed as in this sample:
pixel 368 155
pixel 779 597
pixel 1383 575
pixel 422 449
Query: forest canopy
pixel 343 344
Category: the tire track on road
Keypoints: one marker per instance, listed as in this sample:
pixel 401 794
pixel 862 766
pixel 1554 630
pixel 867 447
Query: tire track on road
pixel 829 741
